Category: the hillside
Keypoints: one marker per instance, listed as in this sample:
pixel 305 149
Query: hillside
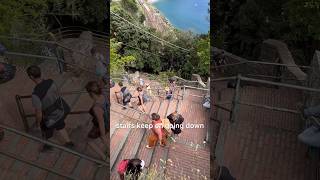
pixel 140 40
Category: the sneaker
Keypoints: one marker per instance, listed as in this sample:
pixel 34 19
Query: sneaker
pixel 148 147
pixel 69 145
pixel 46 148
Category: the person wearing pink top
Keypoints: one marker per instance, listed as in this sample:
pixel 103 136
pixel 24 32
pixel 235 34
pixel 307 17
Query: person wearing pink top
pixel 157 132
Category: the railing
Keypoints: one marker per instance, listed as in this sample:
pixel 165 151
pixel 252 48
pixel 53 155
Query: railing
pixel 232 65
pixel 24 116
pixel 236 101
pixel 101 164
pixel 37 50
pixel 51 53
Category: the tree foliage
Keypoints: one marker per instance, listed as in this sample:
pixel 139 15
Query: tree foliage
pixel 243 25
pixel 153 56
pixel 31 16
pixel 117 62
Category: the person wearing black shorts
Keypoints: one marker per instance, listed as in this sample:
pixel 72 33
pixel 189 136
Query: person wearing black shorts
pixel 50 109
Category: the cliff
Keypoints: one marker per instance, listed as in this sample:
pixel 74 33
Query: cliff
pixel 154 18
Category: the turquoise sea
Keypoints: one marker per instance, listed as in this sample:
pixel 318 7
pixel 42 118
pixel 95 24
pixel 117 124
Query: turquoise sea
pixel 186 14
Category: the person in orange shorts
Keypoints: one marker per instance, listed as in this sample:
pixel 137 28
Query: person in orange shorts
pixel 157 133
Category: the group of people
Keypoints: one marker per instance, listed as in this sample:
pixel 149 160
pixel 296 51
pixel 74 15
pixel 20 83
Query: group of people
pixel 133 167
pixel 142 94
pixel 311 135
pixel 51 109
pixel 128 98
pixel 7 72
pixel 160 130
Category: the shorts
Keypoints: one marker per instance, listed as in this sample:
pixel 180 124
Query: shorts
pixel 47 132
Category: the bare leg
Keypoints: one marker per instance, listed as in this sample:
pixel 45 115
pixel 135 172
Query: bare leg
pixel 63 133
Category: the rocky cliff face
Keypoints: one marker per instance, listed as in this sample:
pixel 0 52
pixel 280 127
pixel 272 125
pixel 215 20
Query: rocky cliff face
pixel 154 18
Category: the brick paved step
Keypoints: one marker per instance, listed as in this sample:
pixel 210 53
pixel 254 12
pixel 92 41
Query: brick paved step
pixel 113 122
pixel 31 152
pixel 264 136
pixel 66 164
pixel 85 170
pixel 164 151
pixel 102 173
pixel 130 148
pixel 185 161
pixel 117 144
pixel 144 153
pixel 7 174
pixel 58 160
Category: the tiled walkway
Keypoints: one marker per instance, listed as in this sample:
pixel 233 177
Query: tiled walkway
pixel 186 158
pixel 262 144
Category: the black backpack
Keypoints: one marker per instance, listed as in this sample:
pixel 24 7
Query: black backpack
pixel 60 103
pixel 126 94
pixel 8 73
pixel 176 121
pixel 2 49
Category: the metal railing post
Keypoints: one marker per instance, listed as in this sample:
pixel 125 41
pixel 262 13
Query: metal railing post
pixel 184 92
pixel 22 113
pixel 235 101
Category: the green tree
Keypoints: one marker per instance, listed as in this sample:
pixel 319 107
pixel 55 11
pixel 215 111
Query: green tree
pixel 23 16
pixel 203 52
pixel 243 25
pixel 118 62
pixel 129 5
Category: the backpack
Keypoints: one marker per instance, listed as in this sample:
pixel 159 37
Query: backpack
pixel 175 119
pixel 145 98
pixel 2 49
pixel 60 103
pixel 122 167
pixel 179 119
pixel 126 94
pixel 9 72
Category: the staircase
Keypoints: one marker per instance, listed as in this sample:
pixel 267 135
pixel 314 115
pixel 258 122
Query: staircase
pixel 20 156
pixel 128 143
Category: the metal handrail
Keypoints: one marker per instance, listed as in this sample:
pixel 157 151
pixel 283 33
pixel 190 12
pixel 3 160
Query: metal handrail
pixel 245 61
pixel 53 145
pixel 49 58
pixel 79 27
pixel 37 165
pixel 155 76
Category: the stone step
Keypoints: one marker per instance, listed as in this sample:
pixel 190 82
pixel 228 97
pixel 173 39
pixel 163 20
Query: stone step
pixel 102 173
pixel 144 153
pixel 85 170
pixel 12 175
pixel 159 157
pixel 130 148
pixel 116 146
pixel 164 151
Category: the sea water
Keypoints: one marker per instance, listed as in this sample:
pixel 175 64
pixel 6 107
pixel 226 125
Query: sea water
pixel 186 14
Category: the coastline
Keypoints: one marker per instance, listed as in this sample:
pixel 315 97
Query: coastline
pixel 152 1
pixel 154 17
